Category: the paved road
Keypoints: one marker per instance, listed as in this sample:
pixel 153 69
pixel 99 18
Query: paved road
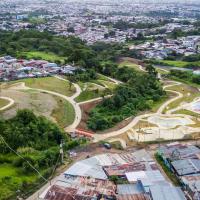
pixel 11 102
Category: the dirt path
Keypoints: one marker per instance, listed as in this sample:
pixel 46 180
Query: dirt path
pixel 11 102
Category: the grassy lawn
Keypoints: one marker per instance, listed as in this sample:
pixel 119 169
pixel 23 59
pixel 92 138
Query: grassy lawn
pixel 64 113
pixel 161 71
pixel 189 94
pixel 157 104
pixel 3 102
pixel 91 91
pixel 178 63
pixel 50 83
pixel 109 84
pixel 103 77
pixel 87 95
pixel 187 112
pixel 11 180
pixel 130 65
pixel 51 57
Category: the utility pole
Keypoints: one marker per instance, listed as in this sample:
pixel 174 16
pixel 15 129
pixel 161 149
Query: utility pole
pixel 61 151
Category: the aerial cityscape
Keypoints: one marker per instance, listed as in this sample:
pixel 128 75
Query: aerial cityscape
pixel 99 100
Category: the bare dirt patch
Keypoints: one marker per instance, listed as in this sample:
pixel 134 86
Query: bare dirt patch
pixel 85 109
pixel 40 103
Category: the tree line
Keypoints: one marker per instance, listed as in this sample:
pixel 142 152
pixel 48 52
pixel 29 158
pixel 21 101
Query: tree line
pixel 138 93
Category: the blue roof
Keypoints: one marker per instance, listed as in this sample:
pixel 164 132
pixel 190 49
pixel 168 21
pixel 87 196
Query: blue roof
pixel 166 193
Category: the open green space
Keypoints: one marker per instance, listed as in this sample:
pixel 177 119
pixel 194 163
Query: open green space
pixel 187 112
pixel 37 140
pixel 130 65
pixel 13 179
pixel 64 113
pixel 3 102
pixel 178 63
pixel 189 94
pixel 161 71
pixel 90 90
pixel 36 20
pixel 89 94
pixel 109 84
pixel 138 93
pixel 51 57
pixel 50 83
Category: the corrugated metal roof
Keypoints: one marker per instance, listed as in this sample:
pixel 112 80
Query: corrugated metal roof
pixel 82 169
pixel 192 181
pixel 151 176
pixel 166 193
pixel 186 167
pixel 133 197
pixel 129 189
pixel 177 151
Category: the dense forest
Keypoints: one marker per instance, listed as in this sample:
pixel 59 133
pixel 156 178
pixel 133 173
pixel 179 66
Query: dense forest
pixel 138 93
pixel 37 141
pixel 73 49
pixel 187 76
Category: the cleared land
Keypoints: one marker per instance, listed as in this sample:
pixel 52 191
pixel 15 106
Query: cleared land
pixel 53 107
pixel 51 57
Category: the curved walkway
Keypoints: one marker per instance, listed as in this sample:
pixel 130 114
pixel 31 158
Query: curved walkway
pixel 179 95
pixel 99 137
pixel 78 114
pixel 72 127
pixel 11 102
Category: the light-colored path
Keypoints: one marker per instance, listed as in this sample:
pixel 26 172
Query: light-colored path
pixel 11 102
pixel 113 80
pixel 77 109
pixel 141 68
pixel 72 127
pixel 95 99
pixel 179 95
pixel 99 137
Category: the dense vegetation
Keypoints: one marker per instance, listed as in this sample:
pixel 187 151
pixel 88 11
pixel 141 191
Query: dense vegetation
pixel 73 49
pixel 187 76
pixel 123 25
pixel 37 140
pixel 138 93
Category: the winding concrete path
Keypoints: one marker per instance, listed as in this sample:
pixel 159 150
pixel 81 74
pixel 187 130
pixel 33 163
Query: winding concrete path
pixel 11 102
pixel 99 137
pixel 179 95
pixel 78 114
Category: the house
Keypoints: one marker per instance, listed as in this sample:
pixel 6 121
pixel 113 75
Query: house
pixel 159 192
